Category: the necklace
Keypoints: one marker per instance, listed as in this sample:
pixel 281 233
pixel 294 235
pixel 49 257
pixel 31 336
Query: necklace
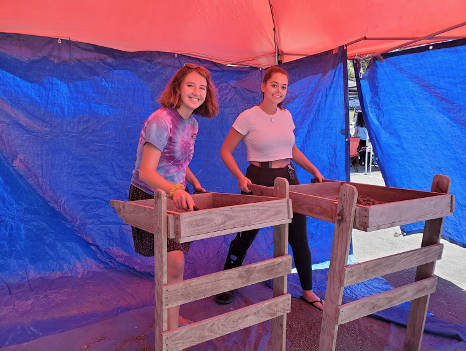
pixel 271 116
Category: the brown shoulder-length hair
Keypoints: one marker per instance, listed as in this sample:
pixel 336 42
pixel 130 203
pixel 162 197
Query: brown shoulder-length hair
pixel 171 94
pixel 269 72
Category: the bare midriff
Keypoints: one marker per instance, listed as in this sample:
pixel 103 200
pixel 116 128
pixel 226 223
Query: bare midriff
pixel 275 164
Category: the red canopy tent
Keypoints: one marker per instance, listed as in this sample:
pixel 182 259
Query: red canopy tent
pixel 249 32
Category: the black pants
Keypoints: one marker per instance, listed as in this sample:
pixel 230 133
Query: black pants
pixel 297 232
pixel 362 154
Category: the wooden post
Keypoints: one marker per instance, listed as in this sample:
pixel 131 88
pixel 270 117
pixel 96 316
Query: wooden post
pixel 418 309
pixel 280 248
pixel 338 260
pixel 160 265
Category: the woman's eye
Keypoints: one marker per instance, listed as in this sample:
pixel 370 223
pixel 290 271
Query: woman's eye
pixel 284 88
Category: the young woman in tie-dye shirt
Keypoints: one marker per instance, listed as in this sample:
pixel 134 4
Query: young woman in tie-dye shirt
pixel 166 146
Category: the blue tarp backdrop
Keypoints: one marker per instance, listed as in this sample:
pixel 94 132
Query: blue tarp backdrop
pixel 414 104
pixel 70 118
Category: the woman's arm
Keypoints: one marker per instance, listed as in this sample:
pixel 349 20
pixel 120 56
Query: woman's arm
pixel 191 178
pixel 226 153
pixel 300 159
pixel 149 175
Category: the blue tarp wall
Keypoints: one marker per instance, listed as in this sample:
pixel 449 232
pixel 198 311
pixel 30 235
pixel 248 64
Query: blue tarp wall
pixel 70 118
pixel 415 108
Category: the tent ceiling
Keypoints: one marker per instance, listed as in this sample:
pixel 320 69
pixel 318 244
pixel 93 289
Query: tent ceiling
pixel 238 31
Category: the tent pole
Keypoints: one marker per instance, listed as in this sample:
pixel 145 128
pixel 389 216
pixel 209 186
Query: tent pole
pixel 426 37
pixel 278 54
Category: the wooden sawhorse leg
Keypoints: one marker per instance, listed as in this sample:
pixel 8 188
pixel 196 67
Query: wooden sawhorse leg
pixel 280 248
pixel 160 266
pixel 338 260
pixel 418 309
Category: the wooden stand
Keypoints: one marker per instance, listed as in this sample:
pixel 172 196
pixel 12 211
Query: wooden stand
pixel 401 206
pixel 219 214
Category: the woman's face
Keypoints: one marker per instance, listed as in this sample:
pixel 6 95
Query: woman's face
pixel 275 88
pixel 193 91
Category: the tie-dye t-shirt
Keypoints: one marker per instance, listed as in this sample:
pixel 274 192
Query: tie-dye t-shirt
pixel 175 137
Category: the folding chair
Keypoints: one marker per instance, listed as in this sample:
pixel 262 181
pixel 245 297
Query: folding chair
pixel 354 152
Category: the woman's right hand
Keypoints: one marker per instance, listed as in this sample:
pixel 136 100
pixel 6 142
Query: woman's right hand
pixel 183 200
pixel 243 184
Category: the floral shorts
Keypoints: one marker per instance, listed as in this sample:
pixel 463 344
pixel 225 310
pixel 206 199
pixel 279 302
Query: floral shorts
pixel 144 241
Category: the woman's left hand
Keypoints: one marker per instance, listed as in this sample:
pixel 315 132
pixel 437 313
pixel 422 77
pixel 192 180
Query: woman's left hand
pixel 183 200
pixel 319 177
pixel 198 188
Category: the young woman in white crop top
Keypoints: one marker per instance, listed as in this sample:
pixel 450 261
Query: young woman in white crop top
pixel 267 131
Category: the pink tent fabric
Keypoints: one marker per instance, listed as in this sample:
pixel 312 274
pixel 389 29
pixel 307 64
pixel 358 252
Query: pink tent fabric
pixel 240 31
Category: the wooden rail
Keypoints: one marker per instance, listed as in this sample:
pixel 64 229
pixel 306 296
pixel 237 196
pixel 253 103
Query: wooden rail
pixel 227 323
pixel 215 283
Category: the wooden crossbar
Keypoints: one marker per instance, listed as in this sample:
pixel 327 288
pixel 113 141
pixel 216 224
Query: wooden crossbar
pixel 137 215
pixel 228 219
pixel 390 264
pixel 368 305
pixel 226 323
pixel 191 226
pixel 320 207
pixel 404 212
pixel 314 206
pixel 212 234
pixel 215 283
pixel 329 189
pixel 398 207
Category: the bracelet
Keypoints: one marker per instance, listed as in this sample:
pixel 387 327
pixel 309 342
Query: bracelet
pixel 175 188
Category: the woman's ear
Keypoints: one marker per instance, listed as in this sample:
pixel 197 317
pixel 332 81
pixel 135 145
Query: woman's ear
pixel 262 86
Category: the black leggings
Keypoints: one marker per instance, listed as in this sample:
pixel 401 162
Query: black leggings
pixel 362 154
pixel 297 232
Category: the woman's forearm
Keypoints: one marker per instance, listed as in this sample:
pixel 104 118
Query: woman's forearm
pixel 226 152
pixel 155 180
pixel 230 163
pixel 300 159
pixel 191 178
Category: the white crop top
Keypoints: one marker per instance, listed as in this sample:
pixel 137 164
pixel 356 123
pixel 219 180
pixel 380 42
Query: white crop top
pixel 267 137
